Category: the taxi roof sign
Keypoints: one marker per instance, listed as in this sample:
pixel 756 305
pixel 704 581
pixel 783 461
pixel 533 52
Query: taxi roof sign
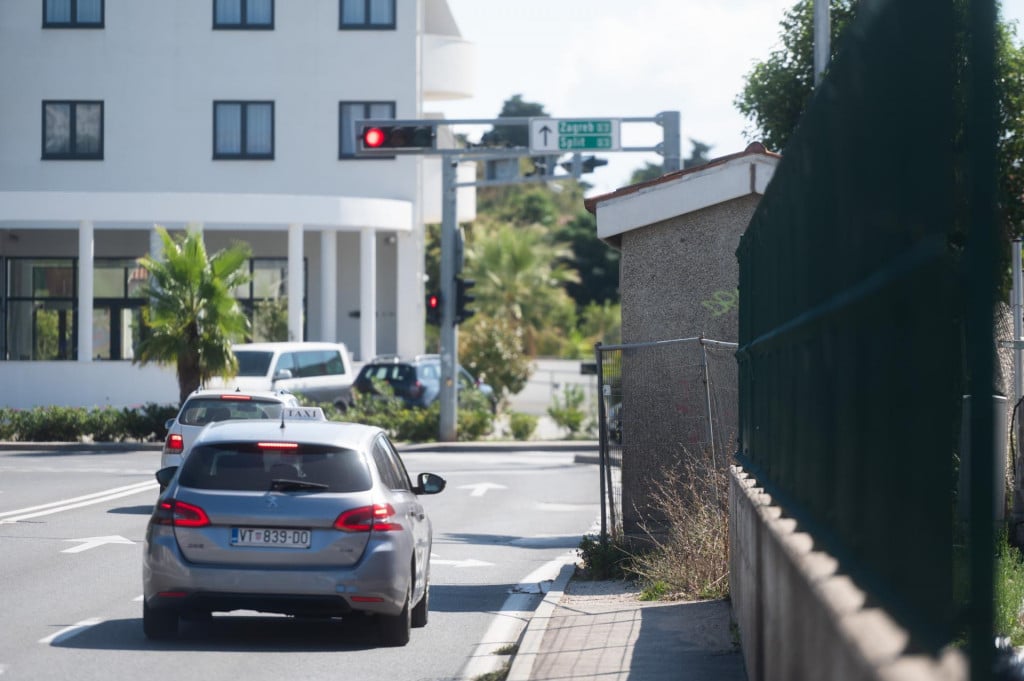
pixel 303 414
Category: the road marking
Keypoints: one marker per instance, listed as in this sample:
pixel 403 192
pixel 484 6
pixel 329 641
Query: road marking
pixel 93 542
pixel 8 517
pixel 68 632
pixel 481 488
pixel 469 562
pixel 509 622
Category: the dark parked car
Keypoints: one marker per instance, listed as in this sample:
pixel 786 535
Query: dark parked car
pixel 417 381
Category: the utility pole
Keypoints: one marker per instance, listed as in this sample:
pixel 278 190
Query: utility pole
pixel 822 39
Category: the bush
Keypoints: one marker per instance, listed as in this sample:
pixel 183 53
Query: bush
pixel 74 424
pixel 602 560
pixel 522 425
pixel 414 424
pixel 566 412
pixel 105 425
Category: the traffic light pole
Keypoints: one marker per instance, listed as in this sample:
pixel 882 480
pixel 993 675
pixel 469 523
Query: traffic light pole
pixel 449 396
pixel 417 136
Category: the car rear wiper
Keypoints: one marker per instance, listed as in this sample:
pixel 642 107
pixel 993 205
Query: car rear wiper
pixel 285 484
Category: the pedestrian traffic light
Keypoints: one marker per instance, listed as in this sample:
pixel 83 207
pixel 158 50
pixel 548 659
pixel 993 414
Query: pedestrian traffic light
pixel 433 309
pixel 462 299
pixel 394 138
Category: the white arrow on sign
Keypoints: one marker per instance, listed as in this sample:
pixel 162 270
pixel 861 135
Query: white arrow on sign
pixel 480 488
pixel 93 542
pixel 469 562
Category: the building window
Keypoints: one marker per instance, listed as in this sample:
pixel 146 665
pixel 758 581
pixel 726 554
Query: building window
pixel 72 13
pixel 367 14
pixel 348 114
pixel 243 14
pixel 41 297
pixel 265 298
pixel 73 130
pixel 243 130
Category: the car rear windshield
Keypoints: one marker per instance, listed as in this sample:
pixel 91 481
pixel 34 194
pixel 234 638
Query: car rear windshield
pixel 202 410
pixel 246 466
pixel 253 362
pixel 395 374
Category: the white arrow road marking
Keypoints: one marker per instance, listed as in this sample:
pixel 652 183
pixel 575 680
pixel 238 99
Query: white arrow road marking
pixel 480 488
pixel 68 632
pixel 93 542
pixel 77 502
pixel 469 562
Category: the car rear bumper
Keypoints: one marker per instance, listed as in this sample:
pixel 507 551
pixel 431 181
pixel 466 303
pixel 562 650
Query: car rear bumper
pixel 378 583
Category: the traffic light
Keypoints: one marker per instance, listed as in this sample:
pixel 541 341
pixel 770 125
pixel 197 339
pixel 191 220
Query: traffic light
pixel 462 299
pixel 433 309
pixel 396 138
pixel 587 165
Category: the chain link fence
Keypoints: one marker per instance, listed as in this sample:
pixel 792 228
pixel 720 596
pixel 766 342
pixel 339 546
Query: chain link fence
pixel 658 401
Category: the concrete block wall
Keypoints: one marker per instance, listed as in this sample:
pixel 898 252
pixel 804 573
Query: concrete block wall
pixel 799 617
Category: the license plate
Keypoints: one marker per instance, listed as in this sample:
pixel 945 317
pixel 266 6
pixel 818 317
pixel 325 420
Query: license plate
pixel 280 537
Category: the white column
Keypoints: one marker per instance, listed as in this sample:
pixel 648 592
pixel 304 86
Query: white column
pixel 367 294
pixel 85 277
pixel 295 287
pixel 156 245
pixel 329 286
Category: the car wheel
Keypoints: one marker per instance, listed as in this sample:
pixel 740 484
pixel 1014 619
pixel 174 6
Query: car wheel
pixel 159 623
pixel 395 629
pixel 420 613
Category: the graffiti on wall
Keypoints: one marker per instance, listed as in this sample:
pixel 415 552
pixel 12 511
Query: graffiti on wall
pixel 722 302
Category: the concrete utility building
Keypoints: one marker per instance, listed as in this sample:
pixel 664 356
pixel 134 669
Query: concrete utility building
pixel 679 278
pixel 233 116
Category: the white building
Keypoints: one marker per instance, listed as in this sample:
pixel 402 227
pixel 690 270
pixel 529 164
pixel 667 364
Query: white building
pixel 236 116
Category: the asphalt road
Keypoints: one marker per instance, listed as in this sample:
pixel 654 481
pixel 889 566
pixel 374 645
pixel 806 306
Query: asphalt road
pixel 71 532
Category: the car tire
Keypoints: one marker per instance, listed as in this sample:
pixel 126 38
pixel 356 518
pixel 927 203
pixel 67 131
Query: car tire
pixel 395 630
pixel 159 623
pixel 421 612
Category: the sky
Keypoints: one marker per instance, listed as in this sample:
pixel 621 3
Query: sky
pixel 615 59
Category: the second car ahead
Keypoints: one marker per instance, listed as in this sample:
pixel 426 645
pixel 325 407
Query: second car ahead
pixel 299 516
pixel 209 406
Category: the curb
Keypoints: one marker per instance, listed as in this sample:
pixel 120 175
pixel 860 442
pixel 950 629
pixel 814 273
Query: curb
pixel 529 645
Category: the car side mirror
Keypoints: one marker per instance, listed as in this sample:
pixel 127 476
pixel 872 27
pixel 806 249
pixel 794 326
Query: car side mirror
pixel 168 423
pixel 283 374
pixel 428 483
pixel 165 475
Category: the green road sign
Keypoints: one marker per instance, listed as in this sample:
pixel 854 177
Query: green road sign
pixel 569 134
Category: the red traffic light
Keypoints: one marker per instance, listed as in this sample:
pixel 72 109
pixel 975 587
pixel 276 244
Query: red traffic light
pixel 433 301
pixel 401 138
pixel 373 138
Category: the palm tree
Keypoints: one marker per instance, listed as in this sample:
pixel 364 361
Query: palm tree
pixel 192 317
pixel 521 275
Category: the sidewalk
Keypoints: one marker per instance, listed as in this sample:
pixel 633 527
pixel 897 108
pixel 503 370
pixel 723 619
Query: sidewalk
pixel 600 630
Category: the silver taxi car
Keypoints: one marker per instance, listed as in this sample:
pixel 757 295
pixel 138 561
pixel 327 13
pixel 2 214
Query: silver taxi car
pixel 206 406
pixel 298 515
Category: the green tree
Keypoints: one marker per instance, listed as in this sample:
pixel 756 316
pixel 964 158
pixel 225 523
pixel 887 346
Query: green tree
pixel 493 350
pixel 596 261
pixel 513 135
pixel 698 154
pixel 521 275
pixel 777 90
pixel 192 316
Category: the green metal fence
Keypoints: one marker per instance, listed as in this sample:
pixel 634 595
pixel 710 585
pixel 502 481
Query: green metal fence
pixel 852 316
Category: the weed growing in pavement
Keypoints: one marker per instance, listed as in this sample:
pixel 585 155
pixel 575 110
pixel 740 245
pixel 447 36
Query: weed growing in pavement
pixel 496 675
pixel 688 554
pixel 602 560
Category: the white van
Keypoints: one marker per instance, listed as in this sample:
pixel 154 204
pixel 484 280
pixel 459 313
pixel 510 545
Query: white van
pixel 322 372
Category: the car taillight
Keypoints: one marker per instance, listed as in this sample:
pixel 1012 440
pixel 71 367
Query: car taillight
pixel 180 514
pixel 375 518
pixel 174 443
pixel 416 390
